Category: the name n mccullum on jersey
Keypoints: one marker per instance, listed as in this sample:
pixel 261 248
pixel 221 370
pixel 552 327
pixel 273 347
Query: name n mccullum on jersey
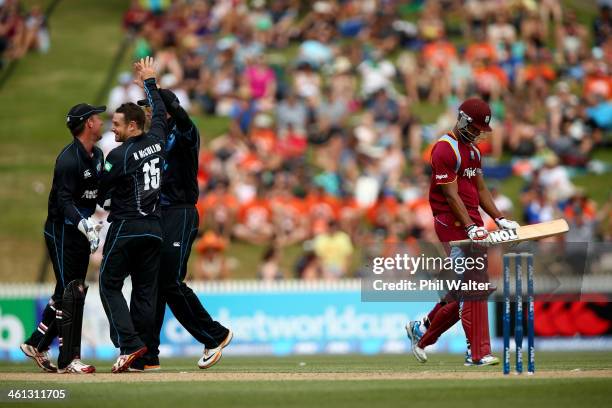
pixel 132 173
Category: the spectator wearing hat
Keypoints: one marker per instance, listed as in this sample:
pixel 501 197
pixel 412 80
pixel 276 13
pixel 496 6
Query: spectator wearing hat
pixel 211 263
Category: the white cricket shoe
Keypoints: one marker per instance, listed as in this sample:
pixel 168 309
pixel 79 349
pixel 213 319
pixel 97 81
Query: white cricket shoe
pixel 40 358
pixel 486 361
pixel 211 356
pixel 419 354
pixel 468 358
pixel 76 366
pixel 124 361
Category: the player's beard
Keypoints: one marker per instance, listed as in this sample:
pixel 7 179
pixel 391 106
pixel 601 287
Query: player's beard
pixel 469 137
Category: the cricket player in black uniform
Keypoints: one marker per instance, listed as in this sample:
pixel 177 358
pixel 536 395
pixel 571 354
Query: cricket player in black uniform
pixel 70 236
pixel 132 182
pixel 180 223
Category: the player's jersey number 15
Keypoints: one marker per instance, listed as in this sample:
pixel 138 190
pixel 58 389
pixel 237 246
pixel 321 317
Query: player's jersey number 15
pixel 151 173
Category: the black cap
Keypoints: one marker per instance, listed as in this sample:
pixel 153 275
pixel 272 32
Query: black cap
pixel 143 102
pixel 81 112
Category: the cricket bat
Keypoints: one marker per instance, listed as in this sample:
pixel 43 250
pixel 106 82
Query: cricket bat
pixel 523 233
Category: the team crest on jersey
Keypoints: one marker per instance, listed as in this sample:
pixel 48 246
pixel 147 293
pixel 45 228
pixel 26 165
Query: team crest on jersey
pixel 108 166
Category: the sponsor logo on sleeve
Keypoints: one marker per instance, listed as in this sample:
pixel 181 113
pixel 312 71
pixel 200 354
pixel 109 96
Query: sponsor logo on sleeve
pixel 441 176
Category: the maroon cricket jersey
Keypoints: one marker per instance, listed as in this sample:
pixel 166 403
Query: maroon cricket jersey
pixel 453 160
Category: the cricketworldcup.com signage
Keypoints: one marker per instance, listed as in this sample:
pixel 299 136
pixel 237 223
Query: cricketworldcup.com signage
pixel 277 318
pixel 299 321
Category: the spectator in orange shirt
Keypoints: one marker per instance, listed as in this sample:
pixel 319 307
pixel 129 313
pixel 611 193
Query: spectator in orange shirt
pixel 218 209
pixel 490 79
pixel 350 216
pixel 211 263
pixel 250 161
pixel 383 212
pixel 263 137
pixel 598 83
pixel 537 77
pixel 289 214
pixel 580 203
pixel 255 221
pixel 321 208
pixel 292 145
pixel 440 53
pixel 480 49
pixel 421 211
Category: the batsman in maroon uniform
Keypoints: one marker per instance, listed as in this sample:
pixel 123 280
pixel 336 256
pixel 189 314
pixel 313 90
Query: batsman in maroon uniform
pixel 457 191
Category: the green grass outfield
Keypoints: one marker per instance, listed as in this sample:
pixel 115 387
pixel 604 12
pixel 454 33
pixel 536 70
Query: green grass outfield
pixel 561 379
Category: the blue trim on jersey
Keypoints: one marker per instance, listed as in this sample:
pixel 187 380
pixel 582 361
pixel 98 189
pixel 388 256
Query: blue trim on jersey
pixel 127 149
pixel 163 200
pixel 57 256
pixel 171 140
pixel 83 212
pixel 110 312
pixel 77 210
pixel 63 256
pixel 65 149
pixel 477 152
pixel 454 144
pixel 149 97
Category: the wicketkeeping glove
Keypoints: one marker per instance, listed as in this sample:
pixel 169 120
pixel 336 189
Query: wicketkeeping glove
pixel 503 223
pixel 91 230
pixel 477 234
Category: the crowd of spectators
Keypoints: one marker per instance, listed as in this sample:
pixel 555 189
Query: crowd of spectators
pixel 21 31
pixel 325 146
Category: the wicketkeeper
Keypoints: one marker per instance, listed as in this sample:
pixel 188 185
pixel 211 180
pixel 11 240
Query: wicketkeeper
pixel 71 236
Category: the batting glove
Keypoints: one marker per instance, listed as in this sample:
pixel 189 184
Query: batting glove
pixel 477 234
pixel 503 223
pixel 91 230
